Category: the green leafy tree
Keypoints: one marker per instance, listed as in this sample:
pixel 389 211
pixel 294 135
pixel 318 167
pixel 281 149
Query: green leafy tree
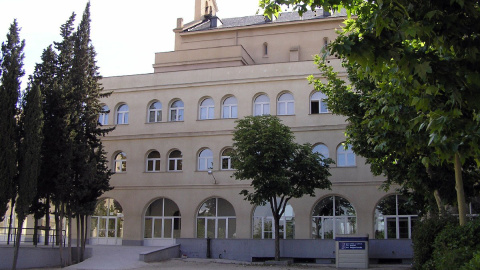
pixel 279 168
pixel 11 73
pixel 31 123
pixel 425 51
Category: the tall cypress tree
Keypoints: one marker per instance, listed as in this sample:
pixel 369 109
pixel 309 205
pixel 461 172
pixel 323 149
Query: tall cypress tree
pixel 11 73
pixel 31 123
pixel 91 177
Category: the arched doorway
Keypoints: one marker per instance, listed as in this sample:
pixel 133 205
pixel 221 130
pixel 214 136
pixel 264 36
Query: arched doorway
pixel 331 216
pixel 394 219
pixel 106 224
pixel 264 225
pixel 216 219
pixel 162 223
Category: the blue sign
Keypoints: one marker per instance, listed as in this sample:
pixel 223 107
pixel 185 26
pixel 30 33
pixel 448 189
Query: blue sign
pixel 351 245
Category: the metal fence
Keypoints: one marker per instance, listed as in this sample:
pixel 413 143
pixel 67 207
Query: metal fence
pixel 28 236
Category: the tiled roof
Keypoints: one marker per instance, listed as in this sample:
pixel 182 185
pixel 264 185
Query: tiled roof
pixel 260 20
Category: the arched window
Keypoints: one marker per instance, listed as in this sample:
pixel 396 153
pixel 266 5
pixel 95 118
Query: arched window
pixel 120 162
pixel 176 111
pixel 345 156
pixel 162 220
pixel 317 103
pixel 216 219
pixel 153 161
pixel 333 215
pixel 103 117
pixel 122 114
pixel 230 108
pixel 394 219
pixel 106 223
pixel 175 161
pixel 226 159
pixel 155 112
pixel 205 160
pixel 207 109
pixel 261 105
pixel 322 149
pixel 264 225
pixel 286 104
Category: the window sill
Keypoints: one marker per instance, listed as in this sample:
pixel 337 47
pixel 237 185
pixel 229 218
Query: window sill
pixel 152 171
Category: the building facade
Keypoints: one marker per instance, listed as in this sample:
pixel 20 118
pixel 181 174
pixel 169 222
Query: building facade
pixel 173 133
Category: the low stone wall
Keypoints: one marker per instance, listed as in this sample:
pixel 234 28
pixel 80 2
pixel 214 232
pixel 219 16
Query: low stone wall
pixel 34 257
pixel 320 251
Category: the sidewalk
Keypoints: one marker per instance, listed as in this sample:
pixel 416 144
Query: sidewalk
pixel 127 258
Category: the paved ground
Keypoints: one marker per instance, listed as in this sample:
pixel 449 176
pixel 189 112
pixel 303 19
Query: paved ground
pixel 126 258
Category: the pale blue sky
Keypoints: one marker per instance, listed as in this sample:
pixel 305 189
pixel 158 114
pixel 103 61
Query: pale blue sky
pixel 126 34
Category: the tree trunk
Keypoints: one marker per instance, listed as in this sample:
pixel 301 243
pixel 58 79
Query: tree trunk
pixel 83 237
pixel 78 238
pixel 10 221
pixel 57 224
pixel 35 231
pixel 47 221
pixel 60 236
pixel 17 243
pixel 277 237
pixel 462 205
pixel 440 205
pixel 69 238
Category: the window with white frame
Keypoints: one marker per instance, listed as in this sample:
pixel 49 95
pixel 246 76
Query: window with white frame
pixel 207 109
pixel 155 112
pixel 216 219
pixel 176 111
pixel 226 159
pixel 286 104
pixel 153 161
pixel 345 156
pixel 103 117
pixel 261 105
pixel 122 114
pixel 317 103
pixel 229 108
pixel 120 162
pixel 162 220
pixel 331 216
pixel 205 160
pixel 175 161
pixel 322 149
pixel 264 225
pixel 394 218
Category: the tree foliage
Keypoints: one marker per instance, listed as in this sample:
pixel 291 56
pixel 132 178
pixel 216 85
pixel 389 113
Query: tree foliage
pixel 11 70
pixel 422 55
pixel 279 168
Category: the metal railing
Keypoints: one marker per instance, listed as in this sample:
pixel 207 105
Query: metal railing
pixel 28 236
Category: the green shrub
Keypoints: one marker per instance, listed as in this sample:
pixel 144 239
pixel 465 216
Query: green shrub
pixel 474 263
pixel 455 245
pixel 423 239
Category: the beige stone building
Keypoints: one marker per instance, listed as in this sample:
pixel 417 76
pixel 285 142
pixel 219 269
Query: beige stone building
pixel 170 148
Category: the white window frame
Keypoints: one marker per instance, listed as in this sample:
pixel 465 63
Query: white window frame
pixel 175 162
pixel 120 163
pixel 122 116
pixel 325 152
pixel 230 110
pixel 162 218
pixel 215 219
pixel 205 163
pixel 228 158
pixel 269 218
pixel 207 111
pixel 284 104
pixel 397 217
pixel 343 155
pixel 264 106
pixel 154 162
pixel 318 98
pixel 157 112
pixel 177 113
pixel 103 117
